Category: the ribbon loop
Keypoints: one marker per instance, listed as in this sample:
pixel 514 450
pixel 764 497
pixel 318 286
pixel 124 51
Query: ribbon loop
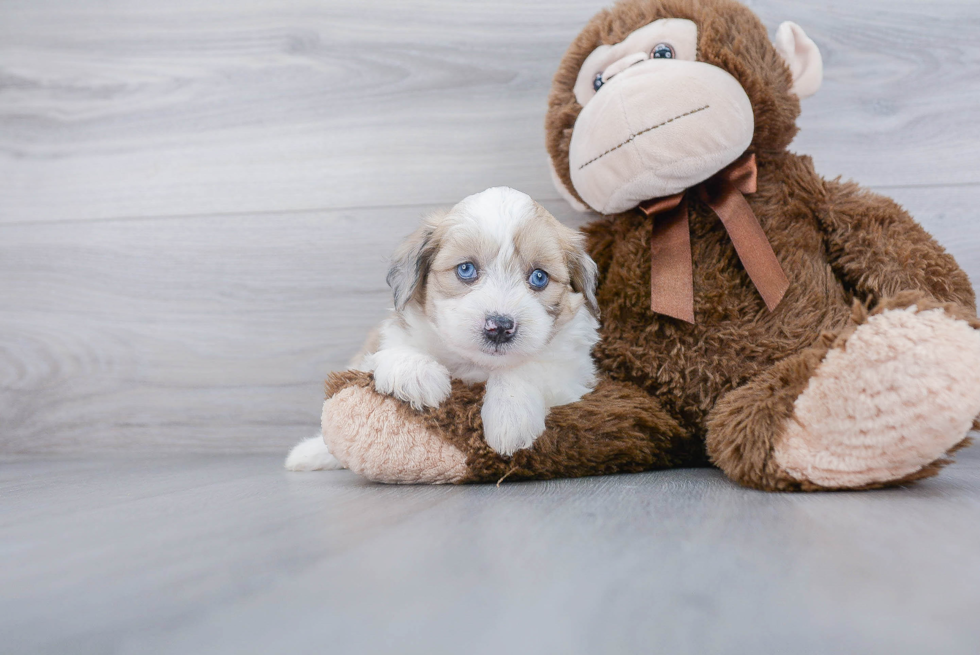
pixel 671 268
pixel 661 205
pixel 743 174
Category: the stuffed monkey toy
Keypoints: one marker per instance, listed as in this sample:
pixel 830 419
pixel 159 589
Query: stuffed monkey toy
pixel 795 332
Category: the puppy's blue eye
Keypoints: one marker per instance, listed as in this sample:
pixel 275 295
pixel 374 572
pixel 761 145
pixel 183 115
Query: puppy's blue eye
pixel 466 271
pixel 538 279
pixel 662 51
pixel 597 82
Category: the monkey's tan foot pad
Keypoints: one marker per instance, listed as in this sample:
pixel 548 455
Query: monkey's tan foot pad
pixel 377 437
pixel 895 398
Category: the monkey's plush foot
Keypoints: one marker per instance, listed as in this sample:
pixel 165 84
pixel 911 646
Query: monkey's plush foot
pixel 377 436
pixel 887 404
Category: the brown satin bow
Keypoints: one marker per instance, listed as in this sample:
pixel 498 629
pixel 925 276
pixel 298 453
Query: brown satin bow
pixel 672 273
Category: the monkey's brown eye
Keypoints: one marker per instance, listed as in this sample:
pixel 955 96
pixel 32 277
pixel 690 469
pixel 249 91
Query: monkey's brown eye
pixel 662 51
pixel 597 82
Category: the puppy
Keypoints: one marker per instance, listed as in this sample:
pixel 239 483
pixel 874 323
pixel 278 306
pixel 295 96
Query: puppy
pixel 495 290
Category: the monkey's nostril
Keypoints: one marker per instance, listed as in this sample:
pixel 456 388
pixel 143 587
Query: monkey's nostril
pixel 499 329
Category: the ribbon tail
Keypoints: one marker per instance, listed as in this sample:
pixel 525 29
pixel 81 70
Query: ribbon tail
pixel 671 271
pixel 750 243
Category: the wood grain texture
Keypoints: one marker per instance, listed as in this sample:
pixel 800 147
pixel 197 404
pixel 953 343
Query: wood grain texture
pixel 234 555
pixel 215 333
pixel 197 200
pixel 130 109
pixel 200 333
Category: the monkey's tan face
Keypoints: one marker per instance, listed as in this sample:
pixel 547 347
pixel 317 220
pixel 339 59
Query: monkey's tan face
pixel 654 120
pixel 664 109
pixel 504 278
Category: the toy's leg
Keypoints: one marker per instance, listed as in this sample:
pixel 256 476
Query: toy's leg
pixel 616 428
pixel 378 437
pixel 882 403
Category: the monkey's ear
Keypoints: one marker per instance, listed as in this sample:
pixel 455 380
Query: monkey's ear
pixel 576 204
pixel 803 58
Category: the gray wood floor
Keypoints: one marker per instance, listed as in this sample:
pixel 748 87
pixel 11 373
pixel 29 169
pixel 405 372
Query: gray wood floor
pixel 231 554
pixel 197 200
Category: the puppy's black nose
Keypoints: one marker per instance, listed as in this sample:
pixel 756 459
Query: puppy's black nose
pixel 499 329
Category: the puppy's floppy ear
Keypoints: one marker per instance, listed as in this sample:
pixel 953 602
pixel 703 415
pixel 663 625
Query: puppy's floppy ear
pixel 582 270
pixel 411 263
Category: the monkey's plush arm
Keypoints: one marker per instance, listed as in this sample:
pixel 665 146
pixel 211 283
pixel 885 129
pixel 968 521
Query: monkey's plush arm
pixel 616 428
pixel 879 250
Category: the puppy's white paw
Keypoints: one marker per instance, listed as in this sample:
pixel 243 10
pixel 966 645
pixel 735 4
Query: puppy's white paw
pixel 511 420
pixel 412 377
pixel 311 455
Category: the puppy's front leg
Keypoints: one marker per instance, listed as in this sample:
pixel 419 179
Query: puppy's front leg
pixel 513 412
pixel 410 375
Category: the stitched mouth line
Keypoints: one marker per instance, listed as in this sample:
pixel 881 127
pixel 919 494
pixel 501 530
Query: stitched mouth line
pixel 633 136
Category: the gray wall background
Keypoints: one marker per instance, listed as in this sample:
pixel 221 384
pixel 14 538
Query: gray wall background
pixel 198 198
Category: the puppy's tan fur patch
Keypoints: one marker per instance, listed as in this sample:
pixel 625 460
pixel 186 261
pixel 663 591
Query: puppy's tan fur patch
pixel 540 241
pixel 486 322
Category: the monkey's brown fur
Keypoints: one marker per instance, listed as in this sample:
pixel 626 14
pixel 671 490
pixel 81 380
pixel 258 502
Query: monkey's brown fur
pixel 724 388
